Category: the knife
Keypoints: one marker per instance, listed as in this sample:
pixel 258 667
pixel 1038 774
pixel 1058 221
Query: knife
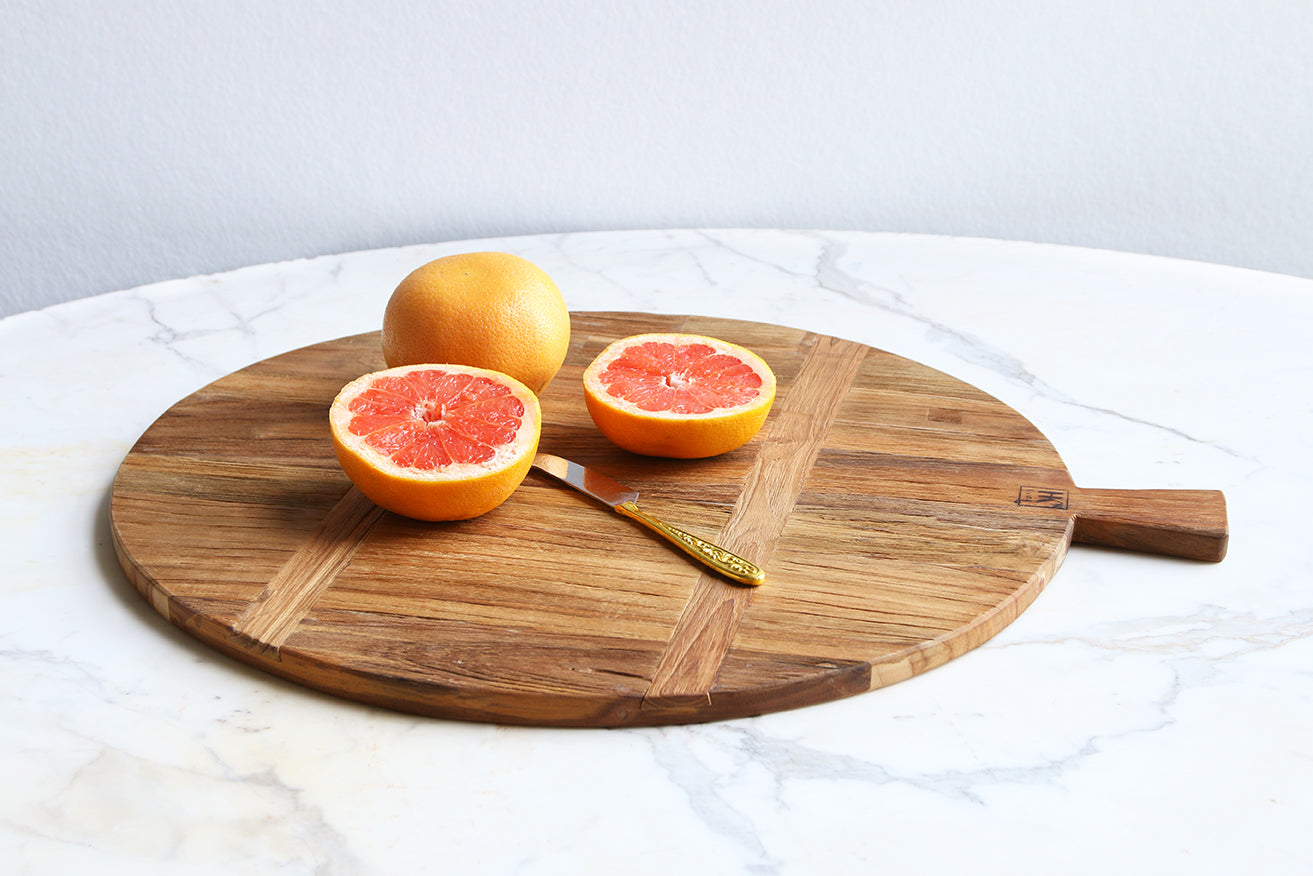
pixel 625 501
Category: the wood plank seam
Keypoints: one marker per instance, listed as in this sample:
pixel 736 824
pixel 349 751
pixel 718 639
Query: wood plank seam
pixel 293 590
pixel 795 433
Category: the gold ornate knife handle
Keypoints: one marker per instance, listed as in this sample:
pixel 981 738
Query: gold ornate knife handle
pixel 729 564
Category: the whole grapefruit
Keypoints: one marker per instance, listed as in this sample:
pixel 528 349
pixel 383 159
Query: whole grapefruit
pixel 490 310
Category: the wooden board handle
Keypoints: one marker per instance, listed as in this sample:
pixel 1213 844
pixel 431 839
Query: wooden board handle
pixel 1176 523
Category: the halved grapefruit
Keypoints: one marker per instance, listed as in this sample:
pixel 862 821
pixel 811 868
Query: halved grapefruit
pixel 678 395
pixel 436 442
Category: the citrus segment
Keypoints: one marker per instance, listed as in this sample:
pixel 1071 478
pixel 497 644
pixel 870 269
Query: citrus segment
pixel 436 442
pixel 484 309
pixel 678 395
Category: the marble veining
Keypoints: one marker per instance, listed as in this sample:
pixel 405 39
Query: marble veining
pixel 1144 715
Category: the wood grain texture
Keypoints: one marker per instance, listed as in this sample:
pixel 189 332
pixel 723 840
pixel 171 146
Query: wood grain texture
pixel 902 516
pixel 299 583
pixel 788 449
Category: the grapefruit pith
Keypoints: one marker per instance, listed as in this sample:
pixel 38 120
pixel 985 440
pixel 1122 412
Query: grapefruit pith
pixel 678 395
pixel 436 442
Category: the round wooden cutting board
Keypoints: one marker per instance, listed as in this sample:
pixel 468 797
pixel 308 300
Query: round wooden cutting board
pixel 902 516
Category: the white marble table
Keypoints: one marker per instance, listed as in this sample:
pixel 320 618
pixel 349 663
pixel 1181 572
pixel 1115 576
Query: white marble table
pixel 1145 715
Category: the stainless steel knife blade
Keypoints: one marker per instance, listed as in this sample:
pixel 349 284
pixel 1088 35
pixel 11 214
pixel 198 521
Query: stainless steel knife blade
pixel 625 501
pixel 590 483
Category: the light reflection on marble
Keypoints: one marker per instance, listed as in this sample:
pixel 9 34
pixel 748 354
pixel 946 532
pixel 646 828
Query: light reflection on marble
pixel 1144 715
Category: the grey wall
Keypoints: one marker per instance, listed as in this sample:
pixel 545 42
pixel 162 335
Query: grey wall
pixel 143 141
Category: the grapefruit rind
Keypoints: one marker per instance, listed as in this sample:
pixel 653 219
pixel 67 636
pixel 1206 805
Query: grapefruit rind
pixel 676 435
pixel 458 491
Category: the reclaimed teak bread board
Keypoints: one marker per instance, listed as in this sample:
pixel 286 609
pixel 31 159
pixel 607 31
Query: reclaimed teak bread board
pixel 902 516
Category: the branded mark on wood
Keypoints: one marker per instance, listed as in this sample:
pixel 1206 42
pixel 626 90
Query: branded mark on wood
pixel 1043 497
